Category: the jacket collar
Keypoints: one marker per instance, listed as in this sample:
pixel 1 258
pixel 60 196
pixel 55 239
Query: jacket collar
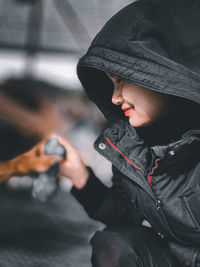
pixel 121 145
pixel 124 139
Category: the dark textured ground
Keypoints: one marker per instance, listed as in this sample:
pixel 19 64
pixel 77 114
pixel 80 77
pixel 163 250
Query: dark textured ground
pixel 51 234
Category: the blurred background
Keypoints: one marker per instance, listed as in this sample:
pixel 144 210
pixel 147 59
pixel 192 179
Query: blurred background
pixel 40 43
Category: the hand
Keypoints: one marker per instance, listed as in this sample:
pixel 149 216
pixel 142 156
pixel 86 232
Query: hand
pixel 73 166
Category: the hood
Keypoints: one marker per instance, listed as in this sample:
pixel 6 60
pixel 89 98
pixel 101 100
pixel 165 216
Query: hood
pixel 151 43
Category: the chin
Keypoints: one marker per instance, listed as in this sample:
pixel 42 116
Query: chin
pixel 137 124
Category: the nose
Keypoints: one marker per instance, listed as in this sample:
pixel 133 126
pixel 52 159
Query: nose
pixel 117 98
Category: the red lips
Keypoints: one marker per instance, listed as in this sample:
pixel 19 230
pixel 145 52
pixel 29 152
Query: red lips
pixel 126 111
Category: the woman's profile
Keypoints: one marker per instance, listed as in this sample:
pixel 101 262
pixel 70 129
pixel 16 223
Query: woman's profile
pixel 143 71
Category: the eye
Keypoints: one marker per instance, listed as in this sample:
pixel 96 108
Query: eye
pixel 115 79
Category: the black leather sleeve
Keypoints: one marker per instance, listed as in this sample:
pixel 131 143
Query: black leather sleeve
pixel 101 202
pixel 188 256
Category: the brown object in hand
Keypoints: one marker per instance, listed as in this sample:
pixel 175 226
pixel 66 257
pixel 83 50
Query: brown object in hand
pixel 35 160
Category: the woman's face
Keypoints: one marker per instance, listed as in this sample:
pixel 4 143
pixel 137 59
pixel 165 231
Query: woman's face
pixel 142 106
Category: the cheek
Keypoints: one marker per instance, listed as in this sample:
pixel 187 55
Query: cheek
pixel 143 112
pixel 146 113
pixel 153 104
pixel 139 117
pixel 148 106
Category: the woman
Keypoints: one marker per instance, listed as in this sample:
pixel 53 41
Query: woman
pixel 143 72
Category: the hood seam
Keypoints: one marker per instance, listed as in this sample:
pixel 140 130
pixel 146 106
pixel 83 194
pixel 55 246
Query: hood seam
pixel 102 68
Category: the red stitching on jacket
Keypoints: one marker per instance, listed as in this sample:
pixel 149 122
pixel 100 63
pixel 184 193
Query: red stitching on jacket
pixel 152 171
pixel 129 161
pixel 150 178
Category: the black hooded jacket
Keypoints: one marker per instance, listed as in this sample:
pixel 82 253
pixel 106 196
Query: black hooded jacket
pixel 156 169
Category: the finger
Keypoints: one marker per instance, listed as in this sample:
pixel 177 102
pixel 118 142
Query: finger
pixel 68 146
